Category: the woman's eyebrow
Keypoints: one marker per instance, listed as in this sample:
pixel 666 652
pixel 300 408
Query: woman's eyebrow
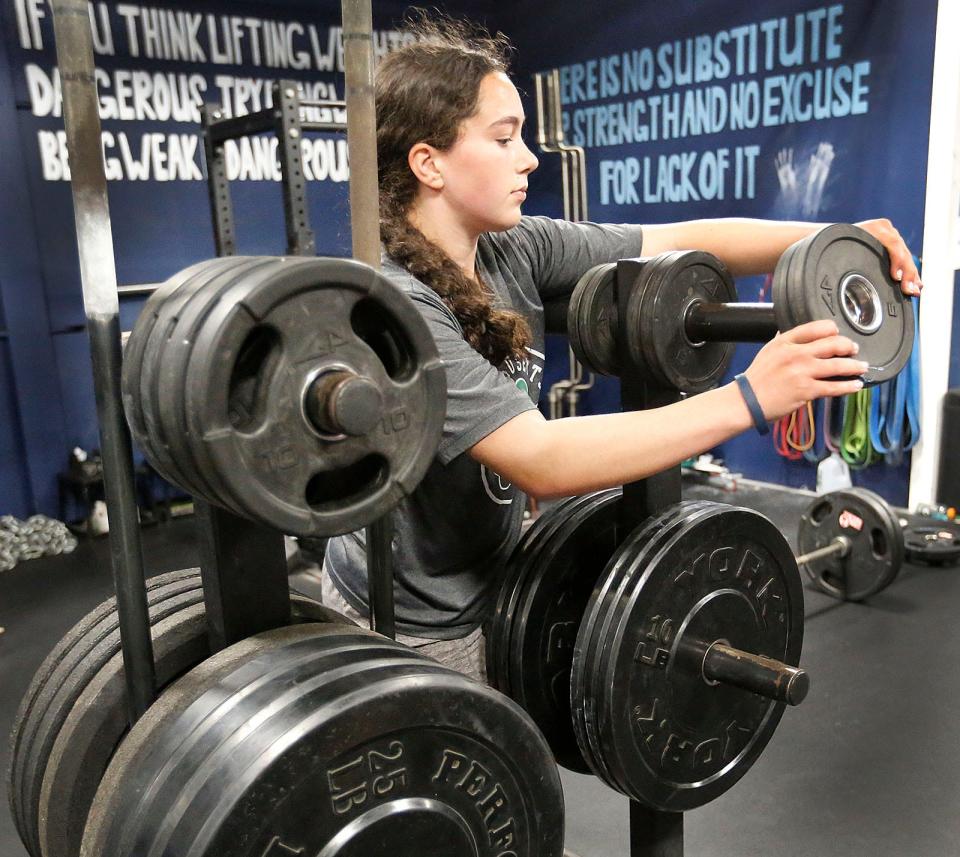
pixel 513 121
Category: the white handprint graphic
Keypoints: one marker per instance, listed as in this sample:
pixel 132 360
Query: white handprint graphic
pixel 820 162
pixel 801 189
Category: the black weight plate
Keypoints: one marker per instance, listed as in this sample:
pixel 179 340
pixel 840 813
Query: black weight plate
pixel 673 741
pixel 781 290
pixel 132 377
pixel 590 648
pixel 545 628
pixel 587 696
pixel 894 533
pixel 936 543
pixel 171 374
pixel 560 519
pixel 876 543
pixel 510 590
pixel 373 749
pixel 54 690
pixel 592 320
pixel 249 370
pixel 659 345
pixel 98 720
pixel 843 274
pixel 166 318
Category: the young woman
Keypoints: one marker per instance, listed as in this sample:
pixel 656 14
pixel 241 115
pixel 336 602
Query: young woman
pixel 453 176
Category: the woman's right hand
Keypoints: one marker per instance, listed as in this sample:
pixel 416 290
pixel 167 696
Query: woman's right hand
pixel 803 364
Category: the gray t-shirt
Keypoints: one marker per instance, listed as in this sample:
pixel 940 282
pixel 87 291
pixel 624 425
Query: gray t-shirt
pixel 454 533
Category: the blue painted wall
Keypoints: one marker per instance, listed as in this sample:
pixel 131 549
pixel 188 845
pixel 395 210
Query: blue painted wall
pixel 46 400
pixel 866 159
pixel 161 221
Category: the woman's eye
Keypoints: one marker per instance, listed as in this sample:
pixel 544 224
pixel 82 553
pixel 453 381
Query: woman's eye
pixel 503 141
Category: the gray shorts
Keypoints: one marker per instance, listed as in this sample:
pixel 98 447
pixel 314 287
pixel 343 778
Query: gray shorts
pixel 466 655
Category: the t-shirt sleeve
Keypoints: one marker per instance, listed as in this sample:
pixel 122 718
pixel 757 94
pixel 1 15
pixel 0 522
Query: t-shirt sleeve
pixel 479 398
pixel 560 252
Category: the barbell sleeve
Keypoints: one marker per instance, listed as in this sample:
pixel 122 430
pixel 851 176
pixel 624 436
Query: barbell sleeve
pixel 773 679
pixel 839 545
pixel 733 322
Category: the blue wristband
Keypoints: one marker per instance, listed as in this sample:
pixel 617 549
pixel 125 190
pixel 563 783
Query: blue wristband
pixel 759 420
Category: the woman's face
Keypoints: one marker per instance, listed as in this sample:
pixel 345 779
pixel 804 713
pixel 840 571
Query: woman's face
pixel 485 172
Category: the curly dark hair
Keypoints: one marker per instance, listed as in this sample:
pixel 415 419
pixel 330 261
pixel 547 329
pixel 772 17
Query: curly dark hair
pixel 424 91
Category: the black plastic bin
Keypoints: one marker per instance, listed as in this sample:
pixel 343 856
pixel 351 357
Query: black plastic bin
pixel 948 474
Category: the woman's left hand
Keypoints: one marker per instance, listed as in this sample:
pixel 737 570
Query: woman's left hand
pixel 902 268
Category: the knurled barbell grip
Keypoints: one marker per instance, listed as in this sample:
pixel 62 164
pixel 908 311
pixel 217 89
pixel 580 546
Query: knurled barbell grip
pixel 773 679
pixel 839 545
pixel 735 322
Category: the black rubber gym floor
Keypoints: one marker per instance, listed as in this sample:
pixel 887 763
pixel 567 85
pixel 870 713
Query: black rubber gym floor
pixel 868 765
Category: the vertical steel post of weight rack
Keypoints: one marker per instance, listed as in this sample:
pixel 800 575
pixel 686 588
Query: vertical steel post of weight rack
pixel 98 276
pixel 653 833
pixel 365 231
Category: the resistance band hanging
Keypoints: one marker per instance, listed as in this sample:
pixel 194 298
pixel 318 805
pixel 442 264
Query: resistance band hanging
pixel 813 454
pixel 896 401
pixel 855 446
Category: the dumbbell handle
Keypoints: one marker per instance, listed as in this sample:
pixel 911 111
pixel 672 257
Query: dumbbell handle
pixel 735 322
pixel 766 676
pixel 840 546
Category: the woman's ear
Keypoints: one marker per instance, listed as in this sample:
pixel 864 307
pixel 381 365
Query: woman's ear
pixel 423 164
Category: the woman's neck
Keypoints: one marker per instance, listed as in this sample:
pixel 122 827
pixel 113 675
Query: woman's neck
pixel 458 243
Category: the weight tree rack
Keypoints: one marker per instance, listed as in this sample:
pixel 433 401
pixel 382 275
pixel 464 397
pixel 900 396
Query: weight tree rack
pixel 218 527
pixel 653 833
pixel 243 564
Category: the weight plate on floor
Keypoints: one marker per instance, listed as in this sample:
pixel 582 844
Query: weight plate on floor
pixel 256 365
pixel 671 740
pixel 593 320
pixel 842 273
pixel 371 746
pixel 936 543
pixel 658 344
pixel 874 536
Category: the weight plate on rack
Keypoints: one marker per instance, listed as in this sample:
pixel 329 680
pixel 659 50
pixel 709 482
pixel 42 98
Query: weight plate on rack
pixel 658 344
pixel 593 320
pixel 253 376
pixel 670 739
pixel 339 743
pixel 842 273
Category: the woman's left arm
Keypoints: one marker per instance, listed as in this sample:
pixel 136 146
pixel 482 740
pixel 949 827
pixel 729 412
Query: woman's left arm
pixel 748 246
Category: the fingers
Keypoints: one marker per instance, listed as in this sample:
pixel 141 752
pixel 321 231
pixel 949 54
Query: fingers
pixel 833 346
pixel 838 388
pixel 840 367
pixel 810 331
pixel 902 268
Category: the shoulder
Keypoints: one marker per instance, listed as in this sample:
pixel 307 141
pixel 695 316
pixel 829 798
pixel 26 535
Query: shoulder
pixel 425 298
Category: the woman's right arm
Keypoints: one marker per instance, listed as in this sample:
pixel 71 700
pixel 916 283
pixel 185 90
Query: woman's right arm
pixel 580 454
